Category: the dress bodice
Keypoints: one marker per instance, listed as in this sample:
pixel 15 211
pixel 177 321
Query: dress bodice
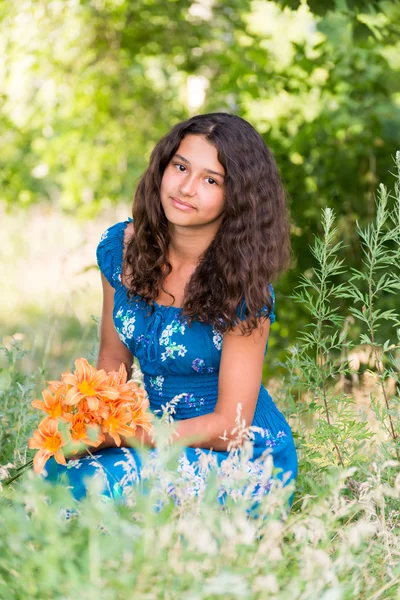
pixel 168 349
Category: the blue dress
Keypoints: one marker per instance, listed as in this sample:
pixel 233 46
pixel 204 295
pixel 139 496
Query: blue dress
pixel 176 359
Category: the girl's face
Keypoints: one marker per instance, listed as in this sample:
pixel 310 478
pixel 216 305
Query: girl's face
pixel 192 187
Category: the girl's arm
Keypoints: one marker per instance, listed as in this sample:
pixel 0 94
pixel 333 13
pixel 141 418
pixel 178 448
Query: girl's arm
pixel 112 351
pixel 239 382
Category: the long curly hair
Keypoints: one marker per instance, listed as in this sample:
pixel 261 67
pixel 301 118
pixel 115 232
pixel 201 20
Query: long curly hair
pixel 230 285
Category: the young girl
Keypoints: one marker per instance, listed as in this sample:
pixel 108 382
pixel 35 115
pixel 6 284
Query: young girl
pixel 187 290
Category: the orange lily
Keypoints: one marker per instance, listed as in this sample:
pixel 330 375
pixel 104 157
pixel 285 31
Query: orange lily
pixel 115 424
pixel 126 390
pixel 88 383
pixel 140 416
pixel 116 378
pixel 52 404
pixel 48 440
pixel 91 416
pixel 129 392
pixel 79 431
pixel 88 398
pixel 59 386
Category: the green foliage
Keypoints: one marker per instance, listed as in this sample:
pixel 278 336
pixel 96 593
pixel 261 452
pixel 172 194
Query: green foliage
pixel 381 249
pixel 107 549
pixel 88 87
pixel 337 437
pixel 320 371
pixel 340 540
pixel 16 416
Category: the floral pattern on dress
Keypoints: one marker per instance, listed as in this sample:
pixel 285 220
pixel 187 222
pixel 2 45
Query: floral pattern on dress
pixel 128 320
pixel 192 402
pixel 273 441
pixel 156 383
pixel 199 365
pixel 172 348
pixel 217 338
pixel 104 236
pixel 117 276
pixel 74 464
pixel 174 327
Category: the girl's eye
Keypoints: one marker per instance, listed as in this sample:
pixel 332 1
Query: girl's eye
pixel 182 169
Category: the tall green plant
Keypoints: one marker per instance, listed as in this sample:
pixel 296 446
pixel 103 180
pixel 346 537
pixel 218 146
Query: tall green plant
pixel 380 242
pixel 335 436
pixel 319 365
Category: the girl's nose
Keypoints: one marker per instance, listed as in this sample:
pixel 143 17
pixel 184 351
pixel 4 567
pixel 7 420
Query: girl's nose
pixel 188 185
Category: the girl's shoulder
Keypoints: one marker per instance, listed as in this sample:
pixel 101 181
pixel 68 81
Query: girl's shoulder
pixel 266 310
pixel 110 250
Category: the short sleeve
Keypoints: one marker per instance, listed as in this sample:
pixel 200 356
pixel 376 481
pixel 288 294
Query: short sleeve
pixel 109 253
pixel 264 311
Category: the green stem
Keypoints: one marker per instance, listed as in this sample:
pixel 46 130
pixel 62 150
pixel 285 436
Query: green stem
pixel 320 354
pixel 372 252
pixel 19 471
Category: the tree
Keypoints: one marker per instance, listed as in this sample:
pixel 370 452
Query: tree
pixel 89 86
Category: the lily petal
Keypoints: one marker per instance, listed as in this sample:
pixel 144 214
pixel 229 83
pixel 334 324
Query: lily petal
pixel 60 458
pixel 73 396
pixel 39 460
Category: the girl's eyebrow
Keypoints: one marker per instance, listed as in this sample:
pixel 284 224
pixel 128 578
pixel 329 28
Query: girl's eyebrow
pixel 185 160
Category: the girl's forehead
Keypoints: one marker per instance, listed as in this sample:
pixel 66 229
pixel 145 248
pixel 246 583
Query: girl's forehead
pixel 199 152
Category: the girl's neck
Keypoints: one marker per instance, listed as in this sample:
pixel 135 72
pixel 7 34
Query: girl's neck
pixel 188 244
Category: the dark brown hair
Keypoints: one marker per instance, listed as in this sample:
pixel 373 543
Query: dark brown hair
pixel 251 245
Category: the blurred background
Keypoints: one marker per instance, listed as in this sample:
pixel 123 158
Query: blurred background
pixel 87 87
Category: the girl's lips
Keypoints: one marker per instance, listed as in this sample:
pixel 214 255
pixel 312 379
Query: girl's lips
pixel 181 205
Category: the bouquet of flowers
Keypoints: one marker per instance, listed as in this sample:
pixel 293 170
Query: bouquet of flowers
pixel 90 403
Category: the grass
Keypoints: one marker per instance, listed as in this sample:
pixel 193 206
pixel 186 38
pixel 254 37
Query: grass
pixel 341 539
pixel 53 294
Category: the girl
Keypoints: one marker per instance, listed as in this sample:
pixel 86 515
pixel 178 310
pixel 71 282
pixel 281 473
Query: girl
pixel 187 290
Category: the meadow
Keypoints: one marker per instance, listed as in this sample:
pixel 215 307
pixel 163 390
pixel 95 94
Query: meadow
pixel 340 392
pixel 87 89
